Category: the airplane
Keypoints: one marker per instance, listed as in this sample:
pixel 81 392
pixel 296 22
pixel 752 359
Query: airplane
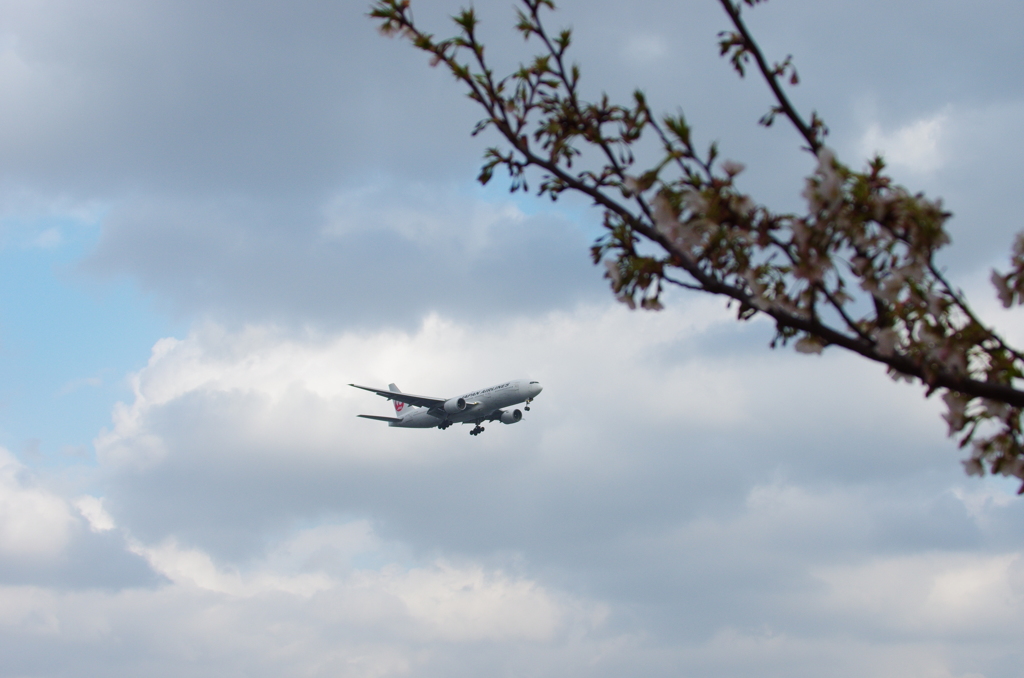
pixel 477 407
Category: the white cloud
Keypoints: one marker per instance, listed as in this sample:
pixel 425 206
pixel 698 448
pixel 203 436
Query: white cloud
pixel 239 430
pixel 92 510
pixel 981 501
pixel 453 602
pixel 943 594
pixel 267 414
pixel 916 146
pixel 468 603
pixel 428 215
pixel 33 522
pixel 306 608
pixel 287 395
pixel 292 391
pixel 193 567
pixel 732 652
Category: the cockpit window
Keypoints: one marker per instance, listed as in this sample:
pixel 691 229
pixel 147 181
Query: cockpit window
pixel 534 382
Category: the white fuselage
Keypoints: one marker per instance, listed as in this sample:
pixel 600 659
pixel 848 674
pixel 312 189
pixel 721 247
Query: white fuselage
pixel 480 405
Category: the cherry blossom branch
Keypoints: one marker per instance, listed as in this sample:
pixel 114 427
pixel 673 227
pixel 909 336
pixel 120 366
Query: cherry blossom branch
pixel 728 245
pixel 744 44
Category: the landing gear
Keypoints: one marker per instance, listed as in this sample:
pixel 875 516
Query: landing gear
pixel 444 424
pixel 477 430
pixel 527 406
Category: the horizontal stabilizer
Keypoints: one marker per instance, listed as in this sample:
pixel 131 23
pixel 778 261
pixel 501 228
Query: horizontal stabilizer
pixel 373 416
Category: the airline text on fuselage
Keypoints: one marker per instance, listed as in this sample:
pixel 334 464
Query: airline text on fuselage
pixel 488 390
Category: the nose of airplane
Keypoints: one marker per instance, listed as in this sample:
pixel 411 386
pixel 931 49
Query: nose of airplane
pixel 535 388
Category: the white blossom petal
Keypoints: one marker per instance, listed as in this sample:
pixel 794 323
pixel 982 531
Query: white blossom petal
pixel 809 345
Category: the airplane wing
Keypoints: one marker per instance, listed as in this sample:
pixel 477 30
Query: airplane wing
pixel 418 401
pixel 373 416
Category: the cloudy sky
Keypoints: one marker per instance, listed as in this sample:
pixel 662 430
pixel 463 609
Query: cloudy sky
pixel 214 216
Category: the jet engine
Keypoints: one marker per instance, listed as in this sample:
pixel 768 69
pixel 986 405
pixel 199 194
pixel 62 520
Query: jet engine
pixel 455 405
pixel 511 417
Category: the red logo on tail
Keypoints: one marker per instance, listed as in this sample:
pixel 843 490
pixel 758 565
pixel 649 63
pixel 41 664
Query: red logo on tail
pixel 399 406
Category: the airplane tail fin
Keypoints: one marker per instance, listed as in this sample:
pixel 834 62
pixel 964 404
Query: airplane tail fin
pixel 401 409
